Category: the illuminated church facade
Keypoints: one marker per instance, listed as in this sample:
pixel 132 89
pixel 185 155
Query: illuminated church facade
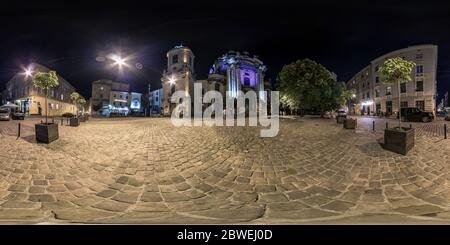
pixel 230 73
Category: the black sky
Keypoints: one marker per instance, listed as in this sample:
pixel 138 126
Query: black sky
pixel 342 35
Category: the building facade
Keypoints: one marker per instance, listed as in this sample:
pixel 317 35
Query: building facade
pixel 229 74
pixel 179 75
pixel 235 71
pixel 31 100
pixel 156 97
pixel 114 98
pixel 373 97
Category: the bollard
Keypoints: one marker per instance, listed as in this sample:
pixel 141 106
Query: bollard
pixel 386 125
pixel 373 126
pixel 18 131
pixel 445 131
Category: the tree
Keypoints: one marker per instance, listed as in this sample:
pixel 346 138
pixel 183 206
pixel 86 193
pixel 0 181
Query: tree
pixel 81 102
pixel 396 70
pixel 306 84
pixel 45 80
pixel 74 96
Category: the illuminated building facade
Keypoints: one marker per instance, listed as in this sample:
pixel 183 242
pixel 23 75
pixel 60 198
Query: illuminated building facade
pixel 179 75
pixel 237 71
pixel 373 97
pixel 230 73
pixel 31 100
pixel 109 97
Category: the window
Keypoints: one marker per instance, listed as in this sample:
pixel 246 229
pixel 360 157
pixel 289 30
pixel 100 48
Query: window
pixel 419 70
pixel 62 96
pixel 217 87
pixel 377 79
pixel 377 93
pixel 175 59
pixel 402 87
pixel 127 97
pixel 388 91
pixel 121 96
pixel 247 81
pixel 377 68
pixel 368 95
pixel 389 107
pixel 114 95
pixel 419 85
pixel 363 96
pixel 403 104
pixel 420 104
pixel 419 56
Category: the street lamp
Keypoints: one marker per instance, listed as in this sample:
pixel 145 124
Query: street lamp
pixel 118 60
pixel 28 72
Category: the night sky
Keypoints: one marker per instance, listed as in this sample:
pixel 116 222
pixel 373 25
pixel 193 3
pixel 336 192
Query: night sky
pixel 344 36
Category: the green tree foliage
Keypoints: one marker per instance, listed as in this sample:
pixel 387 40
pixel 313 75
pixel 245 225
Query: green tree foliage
pixel 396 70
pixel 45 80
pixel 306 84
pixel 74 96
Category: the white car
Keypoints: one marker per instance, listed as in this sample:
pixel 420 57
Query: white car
pixel 5 115
pixel 341 113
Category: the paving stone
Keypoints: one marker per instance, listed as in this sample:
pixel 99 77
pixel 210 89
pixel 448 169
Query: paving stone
pixel 42 198
pixel 107 193
pixel 151 197
pixel 129 197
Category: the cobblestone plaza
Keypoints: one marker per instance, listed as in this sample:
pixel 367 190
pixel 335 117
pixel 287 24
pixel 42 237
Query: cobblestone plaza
pixel 142 170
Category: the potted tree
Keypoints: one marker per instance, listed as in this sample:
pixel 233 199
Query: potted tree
pixel 46 132
pixel 75 121
pixel 347 97
pixel 81 102
pixel 397 70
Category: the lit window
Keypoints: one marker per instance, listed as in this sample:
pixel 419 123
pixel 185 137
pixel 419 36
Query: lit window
pixel 388 91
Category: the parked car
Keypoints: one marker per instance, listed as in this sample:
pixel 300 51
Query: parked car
pixel 413 114
pixel 5 114
pixel 15 115
pixel 341 113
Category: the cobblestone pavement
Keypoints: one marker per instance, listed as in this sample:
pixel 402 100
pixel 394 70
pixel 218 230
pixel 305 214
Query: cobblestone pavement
pixel 147 171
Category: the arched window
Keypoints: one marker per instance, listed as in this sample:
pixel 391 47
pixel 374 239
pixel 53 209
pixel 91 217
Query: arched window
pixel 247 81
pixel 175 59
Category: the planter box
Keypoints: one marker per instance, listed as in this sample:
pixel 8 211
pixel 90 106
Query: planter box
pixel 74 122
pixel 46 133
pixel 399 141
pixel 340 119
pixel 349 123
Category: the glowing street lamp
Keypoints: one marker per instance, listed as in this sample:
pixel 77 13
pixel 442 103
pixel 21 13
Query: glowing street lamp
pixel 118 60
pixel 172 80
pixel 28 72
